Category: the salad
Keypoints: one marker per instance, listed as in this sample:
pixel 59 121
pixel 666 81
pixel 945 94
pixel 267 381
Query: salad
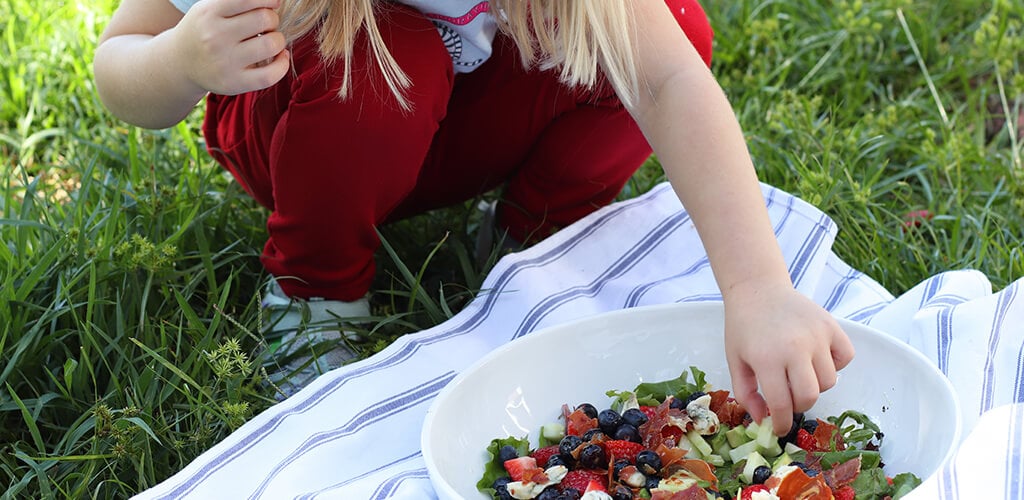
pixel 681 440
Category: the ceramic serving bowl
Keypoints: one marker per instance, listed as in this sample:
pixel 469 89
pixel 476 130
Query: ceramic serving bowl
pixel 522 385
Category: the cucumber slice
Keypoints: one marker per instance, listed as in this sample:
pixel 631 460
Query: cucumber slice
pixel 765 434
pixel 736 436
pixel 754 460
pixel 553 431
pixel 740 452
pixel 699 443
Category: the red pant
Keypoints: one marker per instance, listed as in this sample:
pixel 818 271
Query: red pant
pixel 330 170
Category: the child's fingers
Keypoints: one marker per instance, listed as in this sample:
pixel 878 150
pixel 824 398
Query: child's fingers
pixel 231 8
pixel 267 72
pixel 776 389
pixel 744 389
pixel 249 24
pixel 804 385
pixel 842 349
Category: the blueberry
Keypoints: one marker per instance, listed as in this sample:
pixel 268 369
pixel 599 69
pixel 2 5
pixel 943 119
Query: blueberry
pixel 500 486
pixel 550 493
pixel 648 462
pixel 507 452
pixel 568 444
pixel 609 420
pixel 677 403
pixel 628 433
pixel 652 482
pixel 622 492
pixel 589 435
pixel 761 474
pixel 588 410
pixel 556 460
pixel 810 472
pixel 810 425
pixel 790 437
pixel 620 464
pixel 634 417
pixel 593 456
pixel 693 395
pixel 570 494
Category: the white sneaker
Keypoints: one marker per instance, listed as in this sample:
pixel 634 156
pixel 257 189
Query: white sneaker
pixel 307 337
pixel 486 233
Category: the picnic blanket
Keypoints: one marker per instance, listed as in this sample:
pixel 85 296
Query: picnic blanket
pixel 355 432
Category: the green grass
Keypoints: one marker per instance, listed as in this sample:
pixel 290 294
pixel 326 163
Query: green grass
pixel 129 261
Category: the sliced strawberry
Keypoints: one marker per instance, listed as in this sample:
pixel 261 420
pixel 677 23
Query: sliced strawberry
pixel 748 491
pixel 648 411
pixel 595 485
pixel 543 454
pixel 845 493
pixel 580 479
pixel 517 466
pixel 620 448
pixel 806 441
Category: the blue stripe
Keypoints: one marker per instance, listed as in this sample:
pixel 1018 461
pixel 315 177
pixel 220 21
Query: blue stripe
pixel 931 289
pixel 1002 309
pixel 364 475
pixel 375 413
pixel 704 297
pixel 1018 385
pixel 868 313
pixel 1014 459
pixel 387 488
pixel 636 295
pixel 244 443
pixel 810 248
pixel 944 327
pixel 839 291
pixel 621 265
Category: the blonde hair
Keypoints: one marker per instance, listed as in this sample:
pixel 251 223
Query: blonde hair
pixel 584 39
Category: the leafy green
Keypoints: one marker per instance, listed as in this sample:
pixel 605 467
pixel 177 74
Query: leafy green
pixel 868 459
pixel 494 469
pixel 872 483
pixel 654 393
pixel 860 433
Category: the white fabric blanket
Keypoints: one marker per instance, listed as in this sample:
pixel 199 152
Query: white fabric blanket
pixel 355 432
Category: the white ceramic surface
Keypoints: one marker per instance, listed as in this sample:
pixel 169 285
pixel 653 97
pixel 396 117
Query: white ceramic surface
pixel 522 385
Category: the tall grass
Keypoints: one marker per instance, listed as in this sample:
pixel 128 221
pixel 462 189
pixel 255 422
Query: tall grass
pixel 129 271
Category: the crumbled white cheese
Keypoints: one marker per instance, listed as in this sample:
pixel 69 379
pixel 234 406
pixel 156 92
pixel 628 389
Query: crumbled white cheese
pixel 764 495
pixel 528 490
pixel 704 420
pixel 596 495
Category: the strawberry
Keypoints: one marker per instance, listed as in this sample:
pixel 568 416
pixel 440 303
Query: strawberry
pixel 543 454
pixel 517 466
pixel 580 479
pixel 620 448
pixel 595 485
pixel 807 441
pixel 845 493
pixel 649 411
pixel 748 491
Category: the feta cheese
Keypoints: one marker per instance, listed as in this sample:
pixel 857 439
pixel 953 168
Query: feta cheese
pixel 528 490
pixel 704 420
pixel 764 495
pixel 596 495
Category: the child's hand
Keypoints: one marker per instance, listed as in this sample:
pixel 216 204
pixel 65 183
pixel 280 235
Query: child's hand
pixel 781 340
pixel 230 47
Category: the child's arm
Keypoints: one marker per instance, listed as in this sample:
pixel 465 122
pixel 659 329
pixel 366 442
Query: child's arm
pixel 775 336
pixel 154 64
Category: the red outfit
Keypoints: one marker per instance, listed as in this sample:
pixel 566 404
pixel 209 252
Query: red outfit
pixel 331 170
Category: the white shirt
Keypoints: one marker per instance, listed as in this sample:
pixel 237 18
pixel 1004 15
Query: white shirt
pixel 466 27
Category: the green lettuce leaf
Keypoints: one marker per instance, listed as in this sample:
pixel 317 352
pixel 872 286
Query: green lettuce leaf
pixel 494 469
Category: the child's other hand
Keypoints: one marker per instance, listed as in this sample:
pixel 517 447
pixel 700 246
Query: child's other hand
pixel 781 340
pixel 231 47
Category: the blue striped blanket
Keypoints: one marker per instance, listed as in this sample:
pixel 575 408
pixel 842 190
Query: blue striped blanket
pixel 355 432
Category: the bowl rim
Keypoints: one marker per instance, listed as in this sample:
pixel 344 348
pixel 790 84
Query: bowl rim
pixel 708 306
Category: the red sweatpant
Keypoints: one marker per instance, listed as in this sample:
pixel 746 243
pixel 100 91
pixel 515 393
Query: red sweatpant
pixel 331 170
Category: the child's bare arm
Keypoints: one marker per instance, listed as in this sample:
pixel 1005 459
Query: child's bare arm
pixel 154 64
pixel 775 337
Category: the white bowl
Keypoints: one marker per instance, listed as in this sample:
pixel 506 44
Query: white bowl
pixel 522 385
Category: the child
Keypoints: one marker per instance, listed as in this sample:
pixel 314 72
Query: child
pixel 339 115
